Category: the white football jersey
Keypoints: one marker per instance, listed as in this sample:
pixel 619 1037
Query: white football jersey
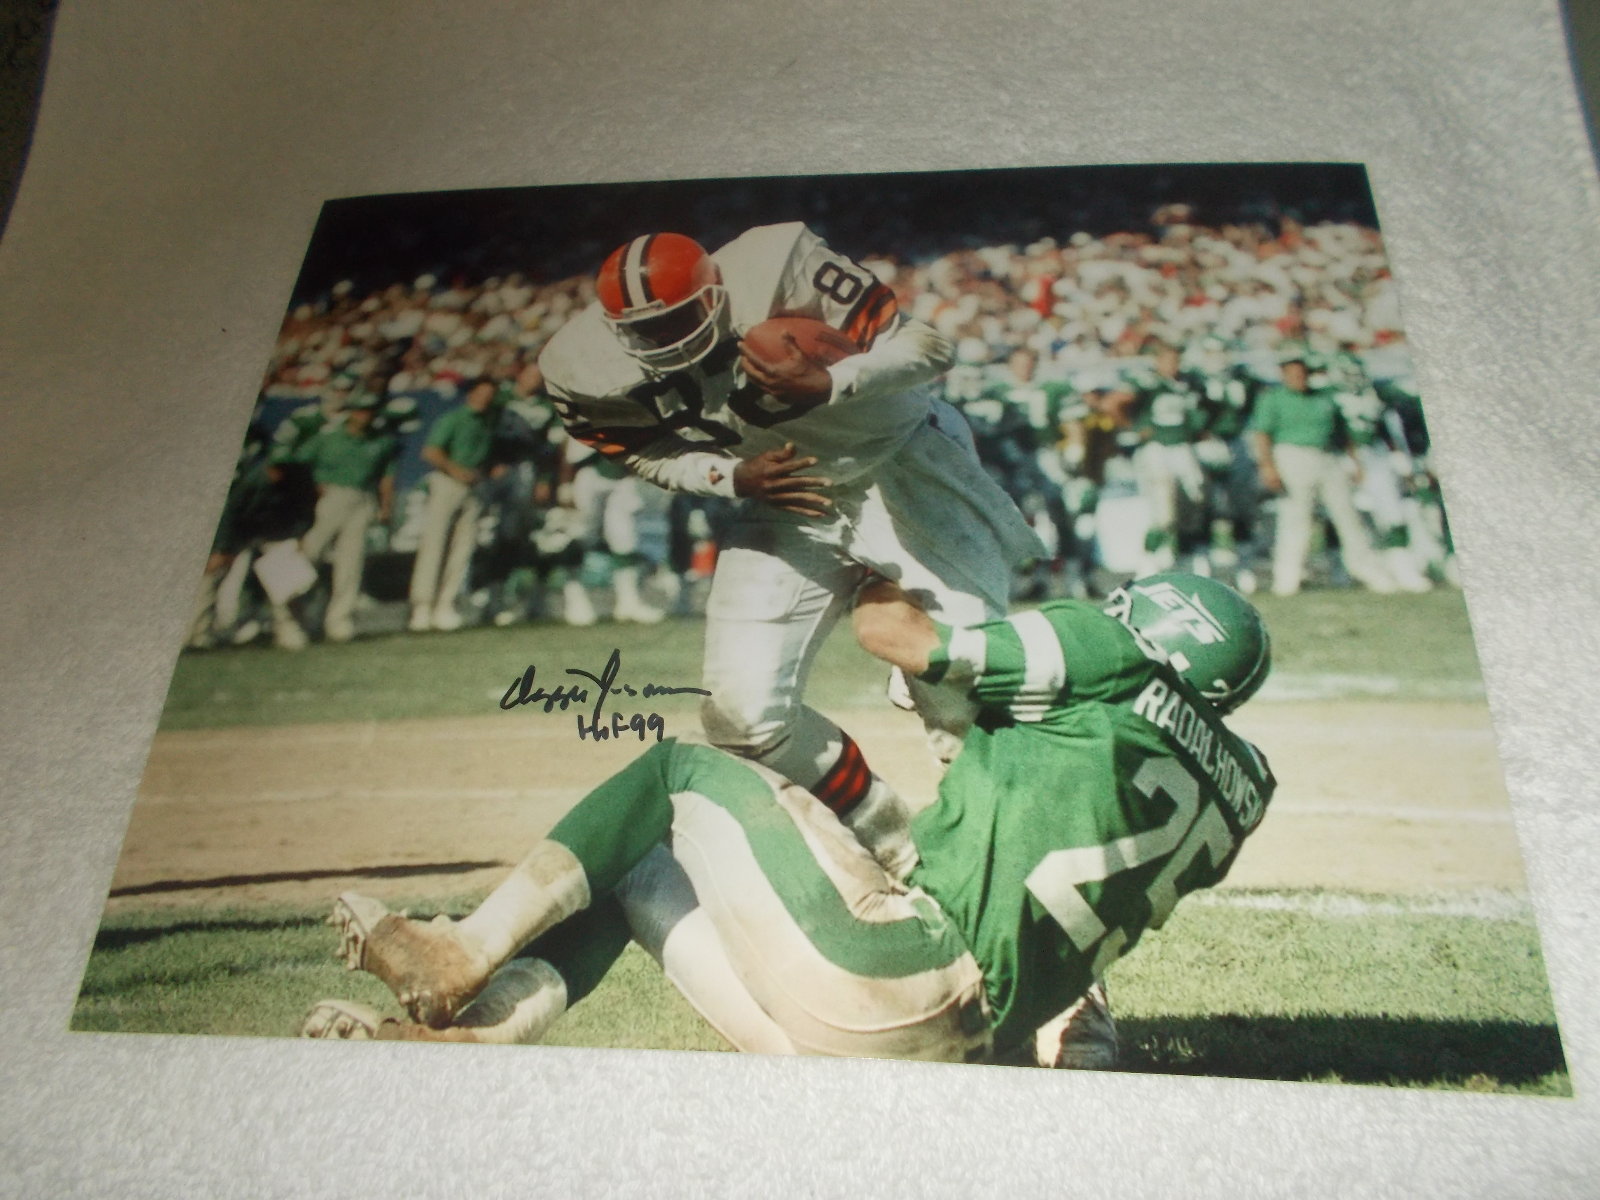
pixel 684 429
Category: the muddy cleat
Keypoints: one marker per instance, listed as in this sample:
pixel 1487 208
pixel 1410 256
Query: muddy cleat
pixel 348 1021
pixel 344 1020
pixel 1084 1038
pixel 431 968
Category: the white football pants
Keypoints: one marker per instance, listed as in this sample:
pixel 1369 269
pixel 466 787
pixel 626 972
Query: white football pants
pixel 933 521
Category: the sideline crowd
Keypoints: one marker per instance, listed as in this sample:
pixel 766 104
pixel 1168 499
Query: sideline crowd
pixel 1237 401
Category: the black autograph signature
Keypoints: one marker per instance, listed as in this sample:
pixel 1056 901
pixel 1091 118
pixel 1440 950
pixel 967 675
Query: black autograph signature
pixel 523 691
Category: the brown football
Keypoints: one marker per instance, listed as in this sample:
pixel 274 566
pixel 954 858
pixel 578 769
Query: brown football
pixel 817 340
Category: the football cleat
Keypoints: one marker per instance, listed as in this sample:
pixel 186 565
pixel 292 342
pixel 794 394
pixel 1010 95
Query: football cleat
pixel 662 295
pixel 348 1021
pixel 343 1020
pixel 1209 633
pixel 433 970
pixel 1084 1038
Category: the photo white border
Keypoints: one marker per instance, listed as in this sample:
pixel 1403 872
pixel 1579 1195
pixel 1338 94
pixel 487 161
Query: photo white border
pixel 182 154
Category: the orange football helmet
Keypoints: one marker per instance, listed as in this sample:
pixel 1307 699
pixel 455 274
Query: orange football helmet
pixel 663 298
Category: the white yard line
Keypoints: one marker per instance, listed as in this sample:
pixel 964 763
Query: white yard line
pixel 399 795
pixel 1483 904
pixel 1282 687
pixel 1468 816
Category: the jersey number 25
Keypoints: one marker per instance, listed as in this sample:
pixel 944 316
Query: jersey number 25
pixel 1055 881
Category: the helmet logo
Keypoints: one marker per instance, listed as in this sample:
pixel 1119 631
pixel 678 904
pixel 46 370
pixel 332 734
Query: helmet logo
pixel 661 295
pixel 1184 612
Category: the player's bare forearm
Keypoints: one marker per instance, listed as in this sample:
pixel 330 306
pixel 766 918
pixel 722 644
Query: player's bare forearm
pixel 385 497
pixel 890 626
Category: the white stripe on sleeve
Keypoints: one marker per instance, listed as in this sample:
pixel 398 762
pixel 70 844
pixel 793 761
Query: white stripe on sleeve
pixel 969 652
pixel 1044 671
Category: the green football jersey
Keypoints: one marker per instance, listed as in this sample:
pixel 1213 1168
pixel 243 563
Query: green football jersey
pixel 1095 789
pixel 298 428
pixel 1226 402
pixel 1169 410
pixel 1045 402
pixel 1358 402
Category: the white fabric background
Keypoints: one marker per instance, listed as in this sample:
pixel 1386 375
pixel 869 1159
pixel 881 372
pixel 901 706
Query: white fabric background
pixel 181 155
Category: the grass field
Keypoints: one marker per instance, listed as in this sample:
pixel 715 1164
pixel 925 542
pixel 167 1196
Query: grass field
pixel 1426 989
pixel 1421 642
pixel 1288 989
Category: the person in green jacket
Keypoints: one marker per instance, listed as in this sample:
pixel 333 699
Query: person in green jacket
pixel 457 447
pixel 353 466
pixel 1303 448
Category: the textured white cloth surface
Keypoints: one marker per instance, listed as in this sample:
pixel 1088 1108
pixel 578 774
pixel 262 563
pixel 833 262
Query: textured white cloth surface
pixel 181 156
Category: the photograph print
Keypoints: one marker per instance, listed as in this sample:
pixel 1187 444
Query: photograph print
pixel 994 616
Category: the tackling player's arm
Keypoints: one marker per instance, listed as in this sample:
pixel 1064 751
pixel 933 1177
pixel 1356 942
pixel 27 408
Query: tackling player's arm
pixel 890 625
pixel 1023 664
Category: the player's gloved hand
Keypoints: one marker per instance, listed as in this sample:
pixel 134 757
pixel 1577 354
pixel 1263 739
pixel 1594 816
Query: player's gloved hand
pixel 795 378
pixel 771 477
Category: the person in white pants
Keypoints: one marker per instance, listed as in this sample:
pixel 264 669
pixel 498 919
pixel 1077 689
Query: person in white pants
pixel 354 472
pixel 1296 434
pixel 457 447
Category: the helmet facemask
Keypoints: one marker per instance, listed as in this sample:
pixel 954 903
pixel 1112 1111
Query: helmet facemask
pixel 1212 636
pixel 662 297
pixel 666 338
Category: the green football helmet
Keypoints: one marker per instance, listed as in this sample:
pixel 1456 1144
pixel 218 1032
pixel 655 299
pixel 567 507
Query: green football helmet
pixel 1210 634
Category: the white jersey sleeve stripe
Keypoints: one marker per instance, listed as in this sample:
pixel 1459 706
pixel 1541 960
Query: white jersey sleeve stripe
pixel 969 653
pixel 1045 668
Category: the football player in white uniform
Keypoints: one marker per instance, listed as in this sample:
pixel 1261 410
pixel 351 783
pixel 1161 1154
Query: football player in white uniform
pixel 859 471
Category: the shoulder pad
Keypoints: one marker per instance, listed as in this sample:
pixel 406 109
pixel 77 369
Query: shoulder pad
pixel 754 266
pixel 584 358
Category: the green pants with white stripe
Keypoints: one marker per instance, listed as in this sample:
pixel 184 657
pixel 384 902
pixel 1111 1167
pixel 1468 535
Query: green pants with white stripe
pixel 845 959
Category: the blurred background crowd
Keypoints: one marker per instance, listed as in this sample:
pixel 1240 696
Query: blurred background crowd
pixel 1234 398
